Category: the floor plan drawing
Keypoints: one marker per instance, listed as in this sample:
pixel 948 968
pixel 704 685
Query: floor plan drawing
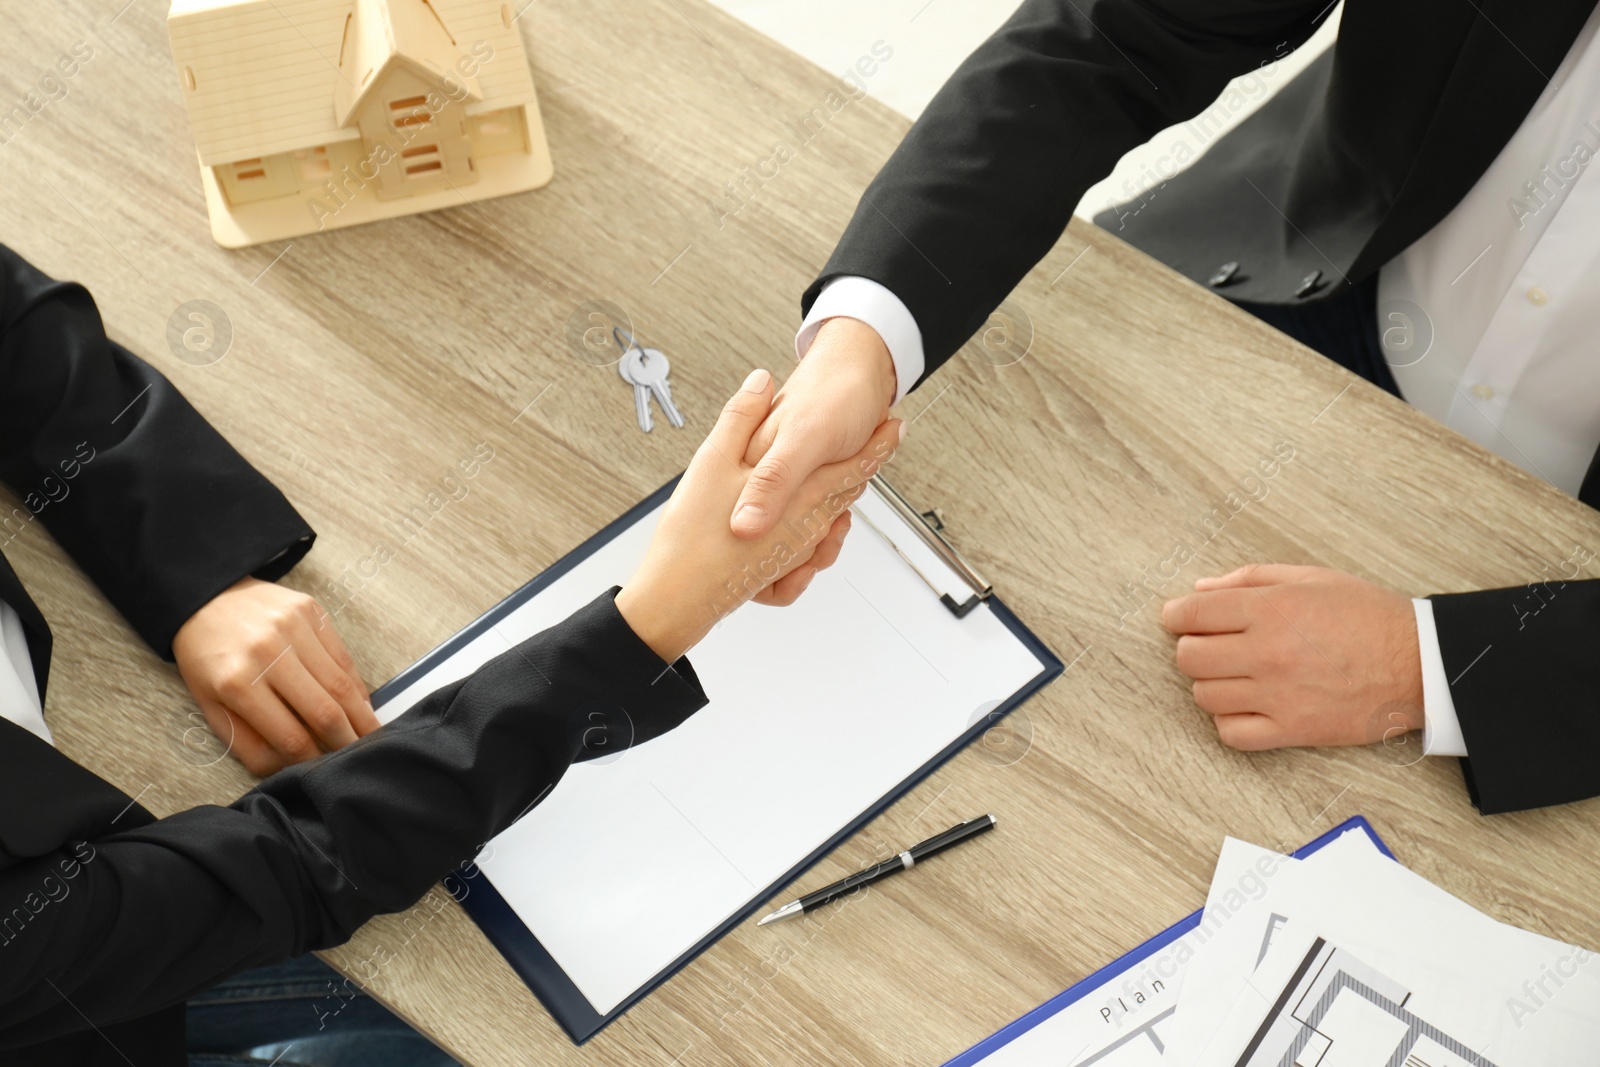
pixel 1338 1012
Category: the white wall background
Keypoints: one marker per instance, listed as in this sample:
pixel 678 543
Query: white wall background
pixel 930 39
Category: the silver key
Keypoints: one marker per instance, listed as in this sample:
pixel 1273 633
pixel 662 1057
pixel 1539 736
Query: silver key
pixel 641 393
pixel 655 362
pixel 649 367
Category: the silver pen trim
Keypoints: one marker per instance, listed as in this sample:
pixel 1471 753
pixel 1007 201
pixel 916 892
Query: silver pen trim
pixel 788 911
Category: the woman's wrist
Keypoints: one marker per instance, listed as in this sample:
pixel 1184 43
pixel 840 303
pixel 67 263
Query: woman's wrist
pixel 661 618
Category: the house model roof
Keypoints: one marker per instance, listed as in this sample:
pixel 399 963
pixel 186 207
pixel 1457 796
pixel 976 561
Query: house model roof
pixel 385 34
pixel 266 76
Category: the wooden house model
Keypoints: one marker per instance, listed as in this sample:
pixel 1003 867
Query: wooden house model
pixel 310 115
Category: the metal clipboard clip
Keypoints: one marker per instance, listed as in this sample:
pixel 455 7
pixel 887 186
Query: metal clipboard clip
pixel 957 583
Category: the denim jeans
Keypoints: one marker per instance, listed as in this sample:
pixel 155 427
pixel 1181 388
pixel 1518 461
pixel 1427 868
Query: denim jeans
pixel 1344 328
pixel 300 1014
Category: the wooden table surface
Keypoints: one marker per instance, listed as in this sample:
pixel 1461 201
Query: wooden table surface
pixel 364 364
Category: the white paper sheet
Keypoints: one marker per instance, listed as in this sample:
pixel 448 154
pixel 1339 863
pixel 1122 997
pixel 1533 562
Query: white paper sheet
pixel 817 711
pixel 1244 876
pixel 1460 971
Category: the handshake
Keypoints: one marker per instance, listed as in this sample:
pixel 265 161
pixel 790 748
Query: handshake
pixel 698 569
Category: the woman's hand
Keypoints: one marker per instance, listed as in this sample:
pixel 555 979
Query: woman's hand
pixel 696 570
pixel 269 672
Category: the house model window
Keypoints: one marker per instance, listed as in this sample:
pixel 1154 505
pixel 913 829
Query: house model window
pixel 329 113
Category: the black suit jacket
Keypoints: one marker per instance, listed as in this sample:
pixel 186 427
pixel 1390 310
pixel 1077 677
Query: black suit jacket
pixel 1359 156
pixel 111 918
pixel 159 510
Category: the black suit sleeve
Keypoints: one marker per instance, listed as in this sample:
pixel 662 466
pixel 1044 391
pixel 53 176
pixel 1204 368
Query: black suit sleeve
pixel 159 510
pixel 153 913
pixel 986 180
pixel 1524 672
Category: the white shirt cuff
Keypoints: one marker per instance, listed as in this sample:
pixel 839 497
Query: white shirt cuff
pixel 866 301
pixel 1442 734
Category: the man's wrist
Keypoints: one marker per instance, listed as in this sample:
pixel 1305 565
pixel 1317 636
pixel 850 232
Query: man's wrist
pixel 852 343
pixel 1410 667
pixel 876 305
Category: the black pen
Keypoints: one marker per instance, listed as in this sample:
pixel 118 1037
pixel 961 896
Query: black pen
pixel 904 861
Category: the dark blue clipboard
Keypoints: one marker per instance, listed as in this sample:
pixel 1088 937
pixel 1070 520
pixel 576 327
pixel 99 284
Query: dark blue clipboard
pixel 1129 960
pixel 533 964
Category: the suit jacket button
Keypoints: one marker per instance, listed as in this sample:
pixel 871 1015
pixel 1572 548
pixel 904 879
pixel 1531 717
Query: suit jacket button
pixel 1224 275
pixel 1309 284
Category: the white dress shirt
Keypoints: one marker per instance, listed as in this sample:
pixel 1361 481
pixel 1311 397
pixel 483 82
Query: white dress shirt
pixel 1496 309
pixel 1509 283
pixel 19 691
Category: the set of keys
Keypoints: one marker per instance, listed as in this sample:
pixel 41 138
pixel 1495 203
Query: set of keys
pixel 646 369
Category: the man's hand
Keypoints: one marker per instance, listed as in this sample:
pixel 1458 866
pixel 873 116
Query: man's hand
pixel 1287 656
pixel 274 681
pixel 825 412
pixel 696 571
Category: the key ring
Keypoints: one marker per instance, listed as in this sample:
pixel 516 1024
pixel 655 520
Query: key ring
pixel 618 333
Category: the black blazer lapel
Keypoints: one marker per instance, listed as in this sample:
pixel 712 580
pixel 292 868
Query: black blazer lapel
pixel 12 593
pixel 1504 64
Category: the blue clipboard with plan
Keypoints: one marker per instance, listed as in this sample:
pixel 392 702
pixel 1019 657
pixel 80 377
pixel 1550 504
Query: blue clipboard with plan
pixel 895 659
pixel 1113 1018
